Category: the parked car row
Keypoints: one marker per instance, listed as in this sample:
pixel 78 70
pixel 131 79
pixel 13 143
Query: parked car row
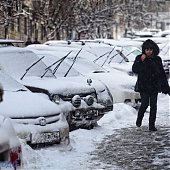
pixel 53 88
pixel 85 63
pixel 43 107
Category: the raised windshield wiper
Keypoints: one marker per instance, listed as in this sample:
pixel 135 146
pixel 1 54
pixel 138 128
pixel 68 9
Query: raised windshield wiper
pixel 107 57
pixel 58 61
pixel 101 56
pixel 62 59
pixel 119 52
pixel 123 56
pixel 74 60
pixel 31 67
pixel 111 58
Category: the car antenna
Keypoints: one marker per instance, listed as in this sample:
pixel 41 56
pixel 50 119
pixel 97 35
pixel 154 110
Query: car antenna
pixel 74 60
pixel 31 67
pixel 60 61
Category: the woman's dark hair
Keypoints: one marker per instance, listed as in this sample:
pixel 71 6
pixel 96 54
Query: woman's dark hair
pixel 150 44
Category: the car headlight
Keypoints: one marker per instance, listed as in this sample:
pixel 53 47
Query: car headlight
pixel 94 95
pixel 56 98
pixel 76 101
pixel 89 100
pixel 77 113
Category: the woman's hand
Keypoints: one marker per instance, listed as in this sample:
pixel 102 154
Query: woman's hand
pixel 143 57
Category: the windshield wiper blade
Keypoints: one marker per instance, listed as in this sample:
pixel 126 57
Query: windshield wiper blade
pixel 21 90
pixel 107 57
pixel 101 56
pixel 58 61
pixel 74 60
pixel 31 67
pixel 119 52
pixel 111 58
pixel 58 65
pixel 123 56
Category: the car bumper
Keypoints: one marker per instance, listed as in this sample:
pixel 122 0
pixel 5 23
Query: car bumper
pixel 123 96
pixel 81 118
pixel 108 108
pixel 36 135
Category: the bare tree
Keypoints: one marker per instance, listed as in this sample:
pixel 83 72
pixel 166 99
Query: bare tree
pixel 97 16
pixel 54 14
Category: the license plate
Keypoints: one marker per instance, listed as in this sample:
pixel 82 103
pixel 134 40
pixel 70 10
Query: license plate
pixel 6 165
pixel 46 137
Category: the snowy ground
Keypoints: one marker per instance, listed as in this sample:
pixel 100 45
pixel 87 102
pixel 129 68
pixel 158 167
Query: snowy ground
pixel 87 143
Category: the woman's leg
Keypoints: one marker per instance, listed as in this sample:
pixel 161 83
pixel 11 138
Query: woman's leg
pixel 153 110
pixel 143 107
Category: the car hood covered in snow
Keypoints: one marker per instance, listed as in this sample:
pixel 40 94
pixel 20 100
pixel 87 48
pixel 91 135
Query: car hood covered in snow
pixel 19 102
pixel 58 86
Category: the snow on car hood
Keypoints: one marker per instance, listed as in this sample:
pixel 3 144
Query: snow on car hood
pixel 18 101
pixel 26 104
pixel 83 80
pixel 102 91
pixel 58 86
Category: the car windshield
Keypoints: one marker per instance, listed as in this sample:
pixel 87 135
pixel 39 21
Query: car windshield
pixel 130 52
pixel 85 66
pixel 9 84
pixel 50 58
pixel 15 61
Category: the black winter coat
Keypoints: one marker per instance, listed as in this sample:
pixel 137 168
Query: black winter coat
pixel 151 75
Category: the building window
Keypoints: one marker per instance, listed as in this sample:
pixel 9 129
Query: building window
pixel 31 28
pixel 18 25
pixel 36 33
pixel 42 31
pixel 25 26
pixel 12 26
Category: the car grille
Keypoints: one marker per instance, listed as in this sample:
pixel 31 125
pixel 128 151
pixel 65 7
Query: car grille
pixel 108 108
pixel 38 119
pixel 69 97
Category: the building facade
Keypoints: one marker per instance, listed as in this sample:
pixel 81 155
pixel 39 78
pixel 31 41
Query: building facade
pixel 23 19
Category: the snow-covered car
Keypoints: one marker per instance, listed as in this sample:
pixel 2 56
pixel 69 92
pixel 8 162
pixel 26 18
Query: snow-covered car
pixel 120 54
pixel 116 81
pixel 104 96
pixel 35 118
pixel 10 146
pixel 121 58
pixel 164 54
pixel 120 92
pixel 25 66
pixel 164 33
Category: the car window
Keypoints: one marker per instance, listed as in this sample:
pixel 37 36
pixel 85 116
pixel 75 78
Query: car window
pixel 16 60
pixel 9 84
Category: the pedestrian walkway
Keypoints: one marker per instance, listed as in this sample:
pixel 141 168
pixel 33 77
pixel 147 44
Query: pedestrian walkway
pixel 135 149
